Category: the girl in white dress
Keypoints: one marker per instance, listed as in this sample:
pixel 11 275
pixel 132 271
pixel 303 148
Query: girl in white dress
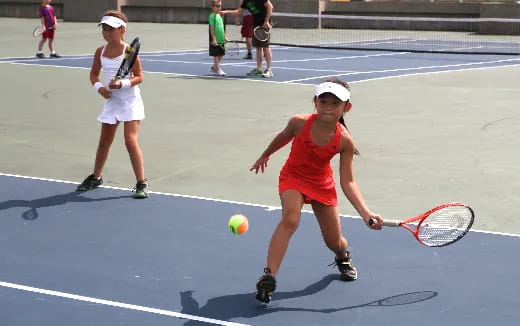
pixel 123 102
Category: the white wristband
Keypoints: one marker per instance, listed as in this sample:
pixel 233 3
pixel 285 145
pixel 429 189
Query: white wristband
pixel 97 86
pixel 125 83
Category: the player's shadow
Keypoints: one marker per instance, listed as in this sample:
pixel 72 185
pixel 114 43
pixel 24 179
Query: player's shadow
pixel 244 305
pixel 56 200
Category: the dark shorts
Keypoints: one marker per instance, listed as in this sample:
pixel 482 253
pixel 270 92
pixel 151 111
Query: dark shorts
pixel 261 44
pixel 247 26
pixel 49 33
pixel 216 50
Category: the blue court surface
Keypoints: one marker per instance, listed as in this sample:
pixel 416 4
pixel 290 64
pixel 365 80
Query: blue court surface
pixel 297 65
pixel 104 258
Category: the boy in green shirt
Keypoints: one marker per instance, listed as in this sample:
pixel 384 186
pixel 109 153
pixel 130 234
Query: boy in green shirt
pixel 217 37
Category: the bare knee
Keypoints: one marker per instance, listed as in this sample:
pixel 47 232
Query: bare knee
pixel 290 222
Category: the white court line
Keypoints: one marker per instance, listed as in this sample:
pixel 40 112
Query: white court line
pixel 118 304
pixel 410 69
pixel 266 207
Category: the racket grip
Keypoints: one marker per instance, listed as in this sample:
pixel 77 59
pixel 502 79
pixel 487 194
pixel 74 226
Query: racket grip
pixel 385 222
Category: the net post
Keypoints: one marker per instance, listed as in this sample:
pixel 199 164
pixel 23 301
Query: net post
pixel 321 8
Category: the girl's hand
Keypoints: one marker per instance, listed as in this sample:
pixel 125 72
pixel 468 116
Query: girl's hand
pixel 260 164
pixel 105 92
pixel 378 221
pixel 115 84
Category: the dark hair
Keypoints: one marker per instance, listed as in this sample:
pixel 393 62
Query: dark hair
pixel 342 119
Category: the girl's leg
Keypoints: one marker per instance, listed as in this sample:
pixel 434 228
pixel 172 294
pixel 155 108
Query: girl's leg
pixel 330 225
pixel 134 150
pixel 292 203
pixel 106 138
pixel 215 62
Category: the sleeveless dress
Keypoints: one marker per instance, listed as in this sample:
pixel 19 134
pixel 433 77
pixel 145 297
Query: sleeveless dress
pixel 308 168
pixel 125 104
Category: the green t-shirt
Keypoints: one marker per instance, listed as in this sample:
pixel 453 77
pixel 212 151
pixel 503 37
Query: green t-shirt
pixel 218 26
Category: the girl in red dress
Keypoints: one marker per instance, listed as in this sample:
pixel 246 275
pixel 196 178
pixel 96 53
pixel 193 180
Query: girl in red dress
pixel 306 178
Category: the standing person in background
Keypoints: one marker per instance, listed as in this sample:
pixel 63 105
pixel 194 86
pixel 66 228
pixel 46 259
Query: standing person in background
pixel 262 11
pixel 217 37
pixel 247 30
pixel 48 20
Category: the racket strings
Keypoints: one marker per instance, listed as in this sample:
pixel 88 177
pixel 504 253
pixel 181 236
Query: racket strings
pixel 445 225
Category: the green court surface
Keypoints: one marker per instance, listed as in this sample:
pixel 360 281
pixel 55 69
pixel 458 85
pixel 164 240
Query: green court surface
pixel 425 139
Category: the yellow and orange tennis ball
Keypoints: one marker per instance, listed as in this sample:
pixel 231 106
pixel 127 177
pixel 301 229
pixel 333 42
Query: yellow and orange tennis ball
pixel 238 224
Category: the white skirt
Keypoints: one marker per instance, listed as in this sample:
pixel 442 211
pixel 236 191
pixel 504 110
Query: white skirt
pixel 127 108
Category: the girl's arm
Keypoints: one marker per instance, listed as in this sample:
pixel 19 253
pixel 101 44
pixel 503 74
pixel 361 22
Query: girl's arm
pixel 94 74
pixel 349 185
pixel 280 140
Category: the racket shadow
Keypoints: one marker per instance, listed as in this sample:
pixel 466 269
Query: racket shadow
pixel 245 305
pixel 57 200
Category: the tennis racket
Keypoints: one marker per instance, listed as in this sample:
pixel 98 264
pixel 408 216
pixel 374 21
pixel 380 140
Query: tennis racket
pixel 131 53
pixel 38 30
pixel 232 48
pixel 440 226
pixel 262 34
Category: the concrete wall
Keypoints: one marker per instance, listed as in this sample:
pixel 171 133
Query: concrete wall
pixel 197 11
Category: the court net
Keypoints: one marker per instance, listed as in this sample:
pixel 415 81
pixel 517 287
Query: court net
pixel 499 36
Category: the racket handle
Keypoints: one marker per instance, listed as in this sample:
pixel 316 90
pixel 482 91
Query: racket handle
pixel 391 223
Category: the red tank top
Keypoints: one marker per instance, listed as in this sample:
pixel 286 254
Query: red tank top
pixel 309 165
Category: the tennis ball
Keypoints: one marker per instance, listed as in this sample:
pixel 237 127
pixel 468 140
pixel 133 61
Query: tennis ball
pixel 238 224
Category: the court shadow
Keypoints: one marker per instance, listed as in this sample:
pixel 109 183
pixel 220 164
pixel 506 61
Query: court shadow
pixel 244 305
pixel 56 200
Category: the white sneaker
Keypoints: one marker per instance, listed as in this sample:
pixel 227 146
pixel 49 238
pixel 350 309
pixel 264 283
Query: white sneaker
pixel 221 72
pixel 268 73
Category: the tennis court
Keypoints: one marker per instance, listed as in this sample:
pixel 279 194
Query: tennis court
pixel 431 128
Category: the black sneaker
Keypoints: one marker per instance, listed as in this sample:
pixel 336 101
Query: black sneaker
pixel 55 55
pixel 141 190
pixel 40 55
pixel 348 271
pixel 265 286
pixel 91 182
pixel 249 56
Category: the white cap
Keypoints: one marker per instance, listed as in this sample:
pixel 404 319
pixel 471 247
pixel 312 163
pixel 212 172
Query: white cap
pixel 112 21
pixel 336 89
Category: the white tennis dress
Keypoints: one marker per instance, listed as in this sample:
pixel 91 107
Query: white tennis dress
pixel 125 104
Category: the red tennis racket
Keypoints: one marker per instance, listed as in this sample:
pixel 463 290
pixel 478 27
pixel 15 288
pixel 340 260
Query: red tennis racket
pixel 440 226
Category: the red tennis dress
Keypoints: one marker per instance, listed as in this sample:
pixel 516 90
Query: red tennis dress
pixel 308 169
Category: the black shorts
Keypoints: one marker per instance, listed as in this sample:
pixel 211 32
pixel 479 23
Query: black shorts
pixel 261 44
pixel 217 50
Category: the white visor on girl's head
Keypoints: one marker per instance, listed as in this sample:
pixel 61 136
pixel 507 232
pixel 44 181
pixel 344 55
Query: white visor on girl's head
pixel 336 89
pixel 112 21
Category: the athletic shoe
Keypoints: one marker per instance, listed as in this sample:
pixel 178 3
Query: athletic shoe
pixel 268 73
pixel 346 268
pixel 55 55
pixel 141 190
pixel 255 73
pixel 265 286
pixel 220 72
pixel 40 55
pixel 213 70
pixel 249 56
pixel 90 182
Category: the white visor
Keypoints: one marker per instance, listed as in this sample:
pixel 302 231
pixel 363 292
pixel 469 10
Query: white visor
pixel 112 21
pixel 336 89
